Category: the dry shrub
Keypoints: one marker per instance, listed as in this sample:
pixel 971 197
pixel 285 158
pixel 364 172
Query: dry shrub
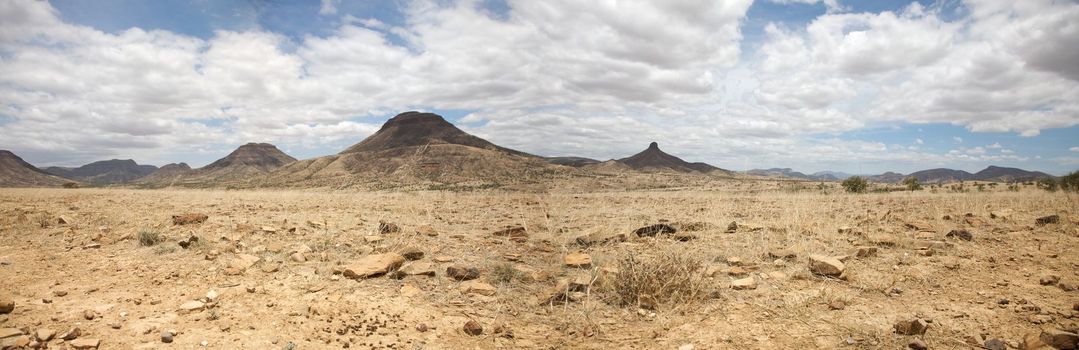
pixel 667 277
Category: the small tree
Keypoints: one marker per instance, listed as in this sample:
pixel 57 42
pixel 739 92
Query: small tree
pixel 1070 182
pixel 1048 184
pixel 912 183
pixel 855 184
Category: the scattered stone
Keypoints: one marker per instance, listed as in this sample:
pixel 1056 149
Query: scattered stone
pixel 578 259
pixel 917 344
pixel 9 333
pixel 243 261
pixel 85 343
pixel 373 265
pixel 995 344
pixel 187 242
pixel 975 221
pixel 388 227
pixel 1067 286
pixel 89 315
pixel 785 253
pixel 415 269
pixel 837 304
pixel 71 334
pixel 45 334
pixel 516 233
pixel 737 271
pixel 824 265
pixel 557 294
pixel 192 306
pixel 298 257
pixel 1001 214
pixel 653 230
pixel 444 259
pixel 1059 339
pixel 268 229
pixel 211 296
pixel 462 273
pixel 477 287
pixel 473 328
pixel 411 253
pixel 271 268
pixel 166 336
pixel 600 237
pixel 863 251
pixel 422 327
pixel 115 325
pixel 187 219
pixel 732 227
pixel 960 234
pixel 734 261
pixel 1033 341
pixel 1045 220
pixel 744 283
pixel 911 327
pixel 427 230
pixel 92 246
pixel 63 220
pixel 684 236
pixel 919 226
pixel 59 293
pixel 7 304
pixel 1049 280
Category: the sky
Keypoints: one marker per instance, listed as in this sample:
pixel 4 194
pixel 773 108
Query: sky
pixel 860 87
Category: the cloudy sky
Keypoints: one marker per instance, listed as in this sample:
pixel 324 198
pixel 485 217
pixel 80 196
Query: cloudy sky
pixel 854 86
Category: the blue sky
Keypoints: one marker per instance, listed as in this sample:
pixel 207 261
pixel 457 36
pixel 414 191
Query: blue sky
pixel 853 86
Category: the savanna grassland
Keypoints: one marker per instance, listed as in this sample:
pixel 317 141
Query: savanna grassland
pixel 747 266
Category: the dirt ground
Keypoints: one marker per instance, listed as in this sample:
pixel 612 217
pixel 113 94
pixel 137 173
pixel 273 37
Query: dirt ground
pixel 85 258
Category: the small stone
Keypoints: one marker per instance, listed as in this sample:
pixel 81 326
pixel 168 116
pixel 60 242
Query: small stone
pixel 686 347
pixel 166 336
pixel 416 268
pixel 422 327
pixel 9 332
pixel 785 254
pixel 653 230
pixel 960 234
pixel 243 261
pixel 473 328
pixel 477 287
pixel 59 293
pixel 1059 339
pixel 732 227
pixel 824 265
pixel 462 273
pixel 1049 280
pixel 85 343
pixel 63 220
pixel 187 242
pixel 187 219
pixel 211 296
pixel 863 251
pixel 411 253
pixel 911 327
pixel 737 271
pixel 298 257
pixel 89 314
pixel 917 344
pixel 578 259
pixel 115 325
pixel 744 283
pixel 373 265
pixel 71 334
pixel 995 344
pixel 516 233
pixel 837 304
pixel 388 227
pixel 1049 219
pixel 45 334
pixel 7 304
pixel 192 306
pixel 734 261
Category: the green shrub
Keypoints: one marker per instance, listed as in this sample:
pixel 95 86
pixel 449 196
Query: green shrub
pixel 149 237
pixel 1070 182
pixel 855 184
pixel 912 183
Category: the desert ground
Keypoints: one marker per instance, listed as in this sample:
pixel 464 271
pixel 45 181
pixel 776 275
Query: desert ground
pixel 750 267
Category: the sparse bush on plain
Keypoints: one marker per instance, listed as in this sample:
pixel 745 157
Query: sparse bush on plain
pixel 912 183
pixel 1070 182
pixel 855 184
pixel 71 185
pixel 1048 184
pixel 149 237
pixel 666 278
pixel 504 273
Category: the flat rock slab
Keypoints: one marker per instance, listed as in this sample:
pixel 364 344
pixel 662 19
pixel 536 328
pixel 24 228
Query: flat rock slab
pixel 373 265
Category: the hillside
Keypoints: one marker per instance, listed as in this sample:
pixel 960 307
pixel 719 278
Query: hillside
pixel 15 172
pixel 245 165
pixel 654 159
pixel 941 175
pixel 104 172
pixel 1002 174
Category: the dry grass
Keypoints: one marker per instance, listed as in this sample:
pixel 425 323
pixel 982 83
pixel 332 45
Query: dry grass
pixel 665 277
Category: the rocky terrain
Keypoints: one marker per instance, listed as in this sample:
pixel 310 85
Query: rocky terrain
pixel 244 166
pixel 15 172
pixel 740 264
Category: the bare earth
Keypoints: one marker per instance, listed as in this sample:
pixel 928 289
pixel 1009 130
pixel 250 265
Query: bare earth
pixel 73 258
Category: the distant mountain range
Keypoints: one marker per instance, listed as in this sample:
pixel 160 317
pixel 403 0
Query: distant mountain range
pixel 939 175
pixel 104 172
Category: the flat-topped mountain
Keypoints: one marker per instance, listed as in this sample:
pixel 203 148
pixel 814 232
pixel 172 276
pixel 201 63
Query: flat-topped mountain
pixel 417 148
pixel 15 172
pixel 654 159
pixel 1003 174
pixel 261 157
pixel 104 172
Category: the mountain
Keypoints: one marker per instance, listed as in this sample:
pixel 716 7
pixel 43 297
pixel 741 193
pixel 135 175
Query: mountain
pixel 104 172
pixel 1002 174
pixel 830 175
pixel 888 177
pixel 780 172
pixel 941 175
pixel 575 162
pixel 416 148
pixel 245 165
pixel 653 159
pixel 15 172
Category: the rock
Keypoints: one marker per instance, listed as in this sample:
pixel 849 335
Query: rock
pixel 600 237
pixel 734 261
pixel 462 273
pixel 71 334
pixel 268 229
pixel 388 227
pixel 960 234
pixel 1049 219
pixel 1033 341
pixel 1001 214
pixel 516 233
pixel 837 304
pixel 92 246
pixel 7 304
pixel 975 221
pixel 427 230
pixel 422 327
pixel 686 347
pixel 1059 339
pixel 85 343
pixel 1049 280
pixel 298 257
pixel 415 269
pixel 824 265
pixel 1067 286
pixel 911 327
pixel 411 253
pixel 653 230
pixel 557 294
pixel 187 219
pixel 732 227
pixel 473 328
pixel 45 334
pixel 919 226
pixel 683 236
pixel 373 265
pixel 211 296
pixel 192 306
pixel 744 283
pixel 477 287
pixel 59 293
pixel 737 271
pixel 883 240
pixel 187 242
pixel 578 259
pixel 917 344
pixel 9 333
pixel 63 220
pixel 243 261
pixel 995 344
pixel 89 315
pixel 166 336
pixel 863 251
pixel 785 253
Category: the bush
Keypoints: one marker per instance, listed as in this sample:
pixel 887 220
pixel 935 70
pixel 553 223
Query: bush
pixel 71 185
pixel 149 237
pixel 504 273
pixel 1070 182
pixel 647 281
pixel 855 184
pixel 1048 184
pixel 912 183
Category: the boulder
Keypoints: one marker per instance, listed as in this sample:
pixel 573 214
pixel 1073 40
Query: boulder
pixel 477 287
pixel 1059 339
pixel 85 343
pixel 960 234
pixel 373 265
pixel 1048 219
pixel 825 265
pixel 744 283
pixel 653 230
pixel 462 273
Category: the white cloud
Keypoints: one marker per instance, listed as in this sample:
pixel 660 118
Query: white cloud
pixel 919 141
pixel 957 139
pixel 832 5
pixel 995 145
pixel 328 7
pixel 1074 149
